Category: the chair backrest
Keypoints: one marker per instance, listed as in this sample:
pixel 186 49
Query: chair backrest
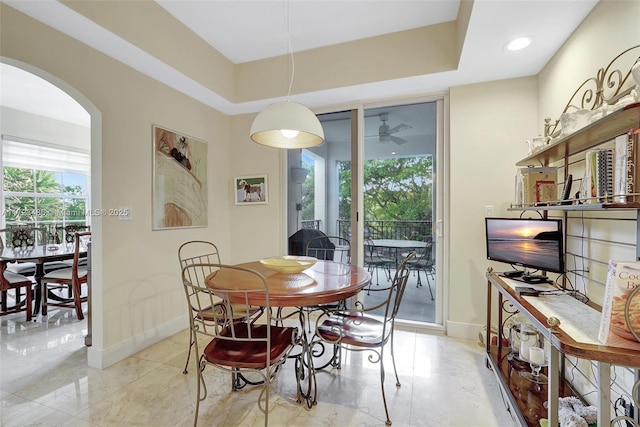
pixel 214 307
pixel 371 252
pixel 22 236
pixel 398 285
pixel 82 239
pixel 330 248
pixel 425 253
pixel 200 252
pixel 67 233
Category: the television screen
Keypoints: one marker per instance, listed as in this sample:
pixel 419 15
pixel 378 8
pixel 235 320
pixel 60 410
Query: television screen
pixel 525 242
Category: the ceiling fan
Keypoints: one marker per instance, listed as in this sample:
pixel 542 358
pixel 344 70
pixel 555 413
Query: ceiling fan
pixel 385 133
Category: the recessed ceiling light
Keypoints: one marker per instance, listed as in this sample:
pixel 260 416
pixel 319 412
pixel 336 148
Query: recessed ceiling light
pixel 518 44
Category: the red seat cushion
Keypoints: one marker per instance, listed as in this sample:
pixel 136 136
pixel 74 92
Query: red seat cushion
pixel 358 330
pixel 249 354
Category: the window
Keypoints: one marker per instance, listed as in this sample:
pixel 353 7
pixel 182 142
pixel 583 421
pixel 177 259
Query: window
pixel 44 185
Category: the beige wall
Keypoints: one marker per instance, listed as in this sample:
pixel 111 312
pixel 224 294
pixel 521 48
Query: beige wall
pixel 489 124
pixel 610 28
pixel 137 281
pixel 257 230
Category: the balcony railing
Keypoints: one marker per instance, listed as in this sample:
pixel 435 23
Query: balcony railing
pixel 390 229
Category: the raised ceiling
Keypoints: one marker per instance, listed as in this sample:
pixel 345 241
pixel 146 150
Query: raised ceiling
pixel 247 32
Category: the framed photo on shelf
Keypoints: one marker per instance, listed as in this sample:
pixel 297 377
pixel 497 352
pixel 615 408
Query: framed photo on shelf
pixel 251 190
pixel 179 180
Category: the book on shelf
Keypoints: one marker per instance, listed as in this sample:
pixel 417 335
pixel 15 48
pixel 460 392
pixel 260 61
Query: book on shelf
pixel 622 279
pixel 626 160
pixel 599 175
pixel 535 185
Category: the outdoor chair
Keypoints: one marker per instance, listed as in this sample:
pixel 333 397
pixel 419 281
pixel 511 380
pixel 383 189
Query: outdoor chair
pixel 375 260
pixel 237 346
pixel 72 278
pixel 424 262
pixel 206 254
pixel 359 330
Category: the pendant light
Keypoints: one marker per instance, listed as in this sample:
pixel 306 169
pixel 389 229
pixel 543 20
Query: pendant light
pixel 287 124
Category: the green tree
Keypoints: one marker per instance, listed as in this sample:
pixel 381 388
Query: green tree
pixel 344 190
pixel 308 192
pixel 21 208
pixel 398 189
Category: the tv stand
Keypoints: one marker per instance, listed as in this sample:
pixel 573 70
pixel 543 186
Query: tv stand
pixel 576 335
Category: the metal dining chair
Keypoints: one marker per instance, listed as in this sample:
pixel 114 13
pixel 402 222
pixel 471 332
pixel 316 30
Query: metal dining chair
pixel 329 248
pixel 205 254
pixel 375 260
pixel 424 262
pixel 359 330
pixel 236 346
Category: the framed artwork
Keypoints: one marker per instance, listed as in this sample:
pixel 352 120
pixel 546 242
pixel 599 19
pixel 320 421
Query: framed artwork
pixel 251 190
pixel 179 180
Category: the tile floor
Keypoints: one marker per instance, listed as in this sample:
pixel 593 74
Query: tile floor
pixel 45 381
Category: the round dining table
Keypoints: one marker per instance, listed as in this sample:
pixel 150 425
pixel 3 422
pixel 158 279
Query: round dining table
pixel 325 282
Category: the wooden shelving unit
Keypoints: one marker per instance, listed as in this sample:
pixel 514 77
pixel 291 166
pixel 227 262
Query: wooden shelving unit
pixel 594 134
pixel 575 336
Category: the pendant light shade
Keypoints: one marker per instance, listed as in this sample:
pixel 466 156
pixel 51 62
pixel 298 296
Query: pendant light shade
pixel 287 125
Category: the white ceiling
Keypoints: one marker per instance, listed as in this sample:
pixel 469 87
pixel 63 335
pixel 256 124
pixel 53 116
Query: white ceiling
pixel 245 31
pixel 248 30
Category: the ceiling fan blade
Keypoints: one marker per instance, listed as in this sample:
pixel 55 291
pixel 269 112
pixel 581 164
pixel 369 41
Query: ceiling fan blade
pixel 397 140
pixel 401 126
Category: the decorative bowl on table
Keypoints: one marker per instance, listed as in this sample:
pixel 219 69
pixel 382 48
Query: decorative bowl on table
pixel 289 264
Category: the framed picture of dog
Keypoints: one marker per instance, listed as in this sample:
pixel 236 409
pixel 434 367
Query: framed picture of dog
pixel 179 180
pixel 251 190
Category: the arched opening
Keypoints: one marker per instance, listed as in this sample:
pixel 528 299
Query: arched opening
pixel 41 110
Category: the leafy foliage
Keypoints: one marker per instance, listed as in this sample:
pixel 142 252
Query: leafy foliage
pixel 27 200
pixel 398 189
pixel 394 189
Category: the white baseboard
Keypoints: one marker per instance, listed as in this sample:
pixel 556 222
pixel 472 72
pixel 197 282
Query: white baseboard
pixel 463 330
pixel 97 358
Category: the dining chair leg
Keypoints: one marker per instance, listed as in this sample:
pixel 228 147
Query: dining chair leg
pixel 191 338
pixel 384 397
pixel 43 298
pixel 29 297
pixel 393 361
pixel 77 301
pixel 426 274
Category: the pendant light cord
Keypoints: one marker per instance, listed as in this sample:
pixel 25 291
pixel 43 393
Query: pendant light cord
pixel 293 65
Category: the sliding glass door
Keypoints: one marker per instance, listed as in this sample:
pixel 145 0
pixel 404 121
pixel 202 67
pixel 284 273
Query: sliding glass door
pixel 398 201
pixel 394 151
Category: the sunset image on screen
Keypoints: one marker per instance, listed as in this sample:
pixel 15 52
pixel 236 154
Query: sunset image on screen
pixel 533 243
